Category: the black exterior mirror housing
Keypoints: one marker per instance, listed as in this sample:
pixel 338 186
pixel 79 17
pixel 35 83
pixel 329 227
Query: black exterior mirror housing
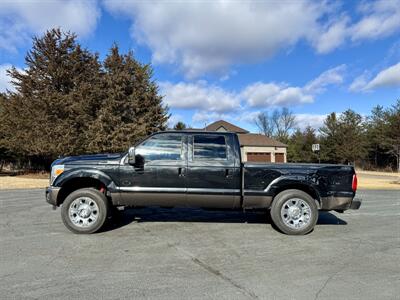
pixel 131 156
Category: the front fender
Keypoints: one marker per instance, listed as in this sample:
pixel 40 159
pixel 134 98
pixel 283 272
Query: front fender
pixel 96 174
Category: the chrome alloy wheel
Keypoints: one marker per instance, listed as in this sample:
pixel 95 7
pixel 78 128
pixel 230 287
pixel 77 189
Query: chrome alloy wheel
pixel 296 213
pixel 83 212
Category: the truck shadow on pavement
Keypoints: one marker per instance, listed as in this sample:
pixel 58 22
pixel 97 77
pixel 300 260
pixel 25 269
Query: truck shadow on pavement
pixel 156 214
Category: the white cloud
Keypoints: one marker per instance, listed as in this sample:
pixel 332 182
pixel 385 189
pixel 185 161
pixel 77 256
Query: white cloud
pixel 380 19
pixel 359 83
pixel 200 118
pixel 281 94
pixel 376 20
pixel 389 77
pixel 200 37
pixel 313 120
pixel 210 102
pixel 202 97
pixel 246 119
pixel 273 94
pixel 330 76
pixel 209 37
pixel 5 83
pixel 198 95
pixel 175 119
pixel 333 36
pixel 20 19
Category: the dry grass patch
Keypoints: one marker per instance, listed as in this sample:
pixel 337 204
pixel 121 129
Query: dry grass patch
pixel 378 180
pixel 22 182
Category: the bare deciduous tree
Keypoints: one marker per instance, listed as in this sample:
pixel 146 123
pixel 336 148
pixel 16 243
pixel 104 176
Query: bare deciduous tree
pixel 278 125
pixel 264 124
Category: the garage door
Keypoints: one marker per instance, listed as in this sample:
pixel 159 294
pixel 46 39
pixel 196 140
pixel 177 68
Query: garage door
pixel 279 157
pixel 259 156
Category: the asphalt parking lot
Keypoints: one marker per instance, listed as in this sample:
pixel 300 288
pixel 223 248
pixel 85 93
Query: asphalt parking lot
pixel 196 254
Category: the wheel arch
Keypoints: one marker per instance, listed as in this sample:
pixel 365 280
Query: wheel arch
pixel 74 180
pixel 302 186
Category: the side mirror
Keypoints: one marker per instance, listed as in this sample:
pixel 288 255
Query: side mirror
pixel 131 156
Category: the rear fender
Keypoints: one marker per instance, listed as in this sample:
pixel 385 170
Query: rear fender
pixel 306 183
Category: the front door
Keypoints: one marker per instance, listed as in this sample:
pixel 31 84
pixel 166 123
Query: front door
pixel 213 179
pixel 158 176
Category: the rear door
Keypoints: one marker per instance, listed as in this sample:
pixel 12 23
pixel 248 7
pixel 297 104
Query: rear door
pixel 213 178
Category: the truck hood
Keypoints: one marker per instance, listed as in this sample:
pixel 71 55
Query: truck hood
pixel 93 159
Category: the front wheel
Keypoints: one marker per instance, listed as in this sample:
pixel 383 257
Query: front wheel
pixel 85 210
pixel 294 212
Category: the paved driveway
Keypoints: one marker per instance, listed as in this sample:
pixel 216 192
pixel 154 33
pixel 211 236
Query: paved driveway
pixel 197 254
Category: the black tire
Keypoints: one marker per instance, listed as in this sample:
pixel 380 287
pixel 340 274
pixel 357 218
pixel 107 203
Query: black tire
pixel 102 211
pixel 281 199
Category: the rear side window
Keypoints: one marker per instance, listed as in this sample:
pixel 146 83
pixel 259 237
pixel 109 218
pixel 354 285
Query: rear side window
pixel 209 147
pixel 161 147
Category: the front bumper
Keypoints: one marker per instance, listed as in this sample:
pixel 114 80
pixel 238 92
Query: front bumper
pixel 340 203
pixel 52 194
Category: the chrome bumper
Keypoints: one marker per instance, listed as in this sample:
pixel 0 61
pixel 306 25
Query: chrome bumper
pixel 340 203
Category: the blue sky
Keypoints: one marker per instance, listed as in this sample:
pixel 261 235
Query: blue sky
pixel 232 59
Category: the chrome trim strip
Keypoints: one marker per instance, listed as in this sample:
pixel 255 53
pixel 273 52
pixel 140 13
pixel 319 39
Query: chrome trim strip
pixel 152 189
pixel 212 191
pixel 179 190
pixel 122 161
pixel 261 192
pixel 272 183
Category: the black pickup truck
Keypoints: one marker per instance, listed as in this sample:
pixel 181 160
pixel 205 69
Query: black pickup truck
pixel 196 169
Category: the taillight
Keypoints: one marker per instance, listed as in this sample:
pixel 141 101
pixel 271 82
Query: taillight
pixel 354 183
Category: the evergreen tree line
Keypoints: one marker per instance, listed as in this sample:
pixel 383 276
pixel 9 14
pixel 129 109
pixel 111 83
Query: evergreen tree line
pixel 67 101
pixel 371 142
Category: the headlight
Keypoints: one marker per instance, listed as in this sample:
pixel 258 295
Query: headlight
pixel 55 171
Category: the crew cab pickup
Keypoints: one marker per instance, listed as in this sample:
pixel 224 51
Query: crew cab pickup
pixel 196 169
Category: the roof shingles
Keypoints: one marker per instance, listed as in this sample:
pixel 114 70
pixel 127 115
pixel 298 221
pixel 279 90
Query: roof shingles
pixel 226 125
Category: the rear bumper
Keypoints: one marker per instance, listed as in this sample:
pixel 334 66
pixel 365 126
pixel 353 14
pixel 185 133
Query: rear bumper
pixel 340 203
pixel 52 194
pixel 356 203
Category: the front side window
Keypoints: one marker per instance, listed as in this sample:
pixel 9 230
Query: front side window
pixel 161 147
pixel 209 147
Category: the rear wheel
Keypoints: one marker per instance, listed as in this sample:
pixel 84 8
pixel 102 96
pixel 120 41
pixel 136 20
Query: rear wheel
pixel 85 210
pixel 294 212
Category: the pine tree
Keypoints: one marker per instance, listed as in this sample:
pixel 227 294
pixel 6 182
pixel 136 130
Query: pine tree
pixel 180 126
pixel 66 102
pixel 300 146
pixel 330 142
pixel 392 133
pixel 56 98
pixel 375 135
pixel 343 138
pixel 352 138
pixel 4 151
pixel 132 107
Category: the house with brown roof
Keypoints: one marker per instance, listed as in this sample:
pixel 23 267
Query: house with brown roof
pixel 254 147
